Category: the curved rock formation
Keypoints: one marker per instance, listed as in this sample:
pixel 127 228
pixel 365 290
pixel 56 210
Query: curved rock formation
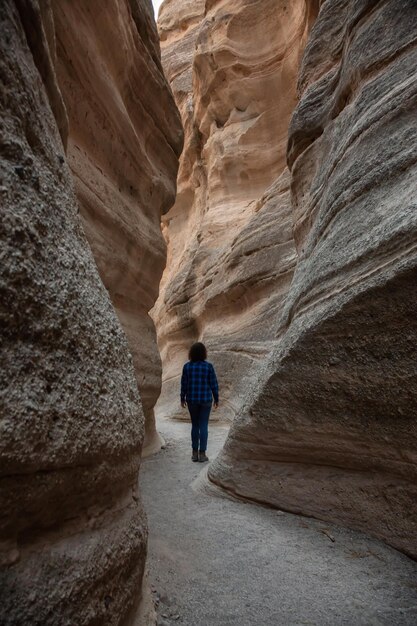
pixel 329 427
pixel 123 148
pixel 232 66
pixel 73 532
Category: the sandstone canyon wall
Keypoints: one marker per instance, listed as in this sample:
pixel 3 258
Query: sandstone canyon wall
pixel 73 532
pixel 329 425
pixel 125 137
pixel 233 67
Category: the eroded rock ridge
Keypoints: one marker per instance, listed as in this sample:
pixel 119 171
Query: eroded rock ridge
pixel 73 532
pixel 329 427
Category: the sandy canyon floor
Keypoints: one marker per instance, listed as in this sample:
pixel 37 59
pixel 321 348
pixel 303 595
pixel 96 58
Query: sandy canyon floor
pixel 215 561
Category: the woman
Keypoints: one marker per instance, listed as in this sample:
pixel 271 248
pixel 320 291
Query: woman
pixel 198 388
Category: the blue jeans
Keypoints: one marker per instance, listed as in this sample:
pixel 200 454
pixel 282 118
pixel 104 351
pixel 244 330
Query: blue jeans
pixel 199 414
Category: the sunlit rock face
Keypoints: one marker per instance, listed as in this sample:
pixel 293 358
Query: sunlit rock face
pixel 125 137
pixel 328 427
pixel 73 532
pixel 233 70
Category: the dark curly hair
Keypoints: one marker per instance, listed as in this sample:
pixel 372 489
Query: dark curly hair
pixel 197 352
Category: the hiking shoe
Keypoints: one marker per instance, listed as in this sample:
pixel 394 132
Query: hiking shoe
pixel 203 457
pixel 194 458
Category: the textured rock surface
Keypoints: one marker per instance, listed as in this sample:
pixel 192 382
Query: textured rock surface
pixel 123 147
pixel 329 426
pixel 73 533
pixel 232 66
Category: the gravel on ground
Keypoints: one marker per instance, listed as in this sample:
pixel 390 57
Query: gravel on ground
pixel 216 561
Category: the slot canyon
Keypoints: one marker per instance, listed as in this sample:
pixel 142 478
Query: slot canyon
pixel 241 173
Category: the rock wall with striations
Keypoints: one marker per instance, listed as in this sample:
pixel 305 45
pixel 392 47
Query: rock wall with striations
pixel 329 426
pixel 125 138
pixel 233 66
pixel 73 532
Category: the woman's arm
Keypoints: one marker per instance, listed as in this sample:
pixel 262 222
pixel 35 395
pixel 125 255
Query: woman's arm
pixel 214 386
pixel 184 384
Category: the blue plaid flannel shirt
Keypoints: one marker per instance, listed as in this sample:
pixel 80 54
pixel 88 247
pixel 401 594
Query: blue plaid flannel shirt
pixel 199 383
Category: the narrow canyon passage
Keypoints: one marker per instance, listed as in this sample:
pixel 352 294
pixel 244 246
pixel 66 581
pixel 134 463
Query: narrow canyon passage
pixel 264 153
pixel 218 561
